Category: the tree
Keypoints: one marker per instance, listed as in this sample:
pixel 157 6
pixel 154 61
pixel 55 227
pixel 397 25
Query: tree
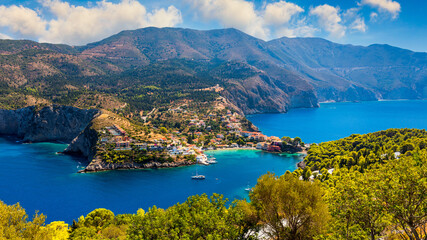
pixel 402 187
pixel 356 212
pixel 240 142
pixel 58 230
pixel 163 130
pixel 200 217
pixel 297 141
pixel 98 218
pixel 286 140
pixel 290 208
pixel 14 223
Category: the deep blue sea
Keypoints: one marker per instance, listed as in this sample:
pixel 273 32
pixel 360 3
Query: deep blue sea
pixel 40 179
pixel 333 121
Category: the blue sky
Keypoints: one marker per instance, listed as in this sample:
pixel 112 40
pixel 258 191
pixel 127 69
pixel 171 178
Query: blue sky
pixel 360 22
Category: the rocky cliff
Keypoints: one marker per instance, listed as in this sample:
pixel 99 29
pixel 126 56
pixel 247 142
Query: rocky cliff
pixel 85 143
pixel 52 123
pixel 97 165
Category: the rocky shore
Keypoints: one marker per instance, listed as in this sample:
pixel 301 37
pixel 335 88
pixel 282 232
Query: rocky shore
pixel 97 165
pixel 52 123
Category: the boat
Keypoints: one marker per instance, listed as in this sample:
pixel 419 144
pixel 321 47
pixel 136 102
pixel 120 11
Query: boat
pixel 198 176
pixel 202 159
pixel 211 161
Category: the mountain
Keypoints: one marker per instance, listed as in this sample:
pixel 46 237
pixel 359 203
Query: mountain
pixel 257 76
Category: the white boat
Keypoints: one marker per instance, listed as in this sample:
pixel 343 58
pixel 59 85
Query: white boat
pixel 211 161
pixel 202 159
pixel 198 176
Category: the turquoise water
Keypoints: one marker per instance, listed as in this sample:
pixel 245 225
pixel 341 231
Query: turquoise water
pixel 333 121
pixel 39 179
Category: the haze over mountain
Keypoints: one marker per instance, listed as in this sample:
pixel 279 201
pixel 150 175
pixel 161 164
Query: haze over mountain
pixel 258 76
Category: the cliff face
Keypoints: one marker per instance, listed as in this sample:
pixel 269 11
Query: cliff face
pixel 97 165
pixel 53 123
pixel 84 143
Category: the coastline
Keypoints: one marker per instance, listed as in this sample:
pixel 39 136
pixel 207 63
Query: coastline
pixel 100 166
pixel 304 152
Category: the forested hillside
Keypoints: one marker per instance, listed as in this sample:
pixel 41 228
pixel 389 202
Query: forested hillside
pixel 257 76
pixel 384 198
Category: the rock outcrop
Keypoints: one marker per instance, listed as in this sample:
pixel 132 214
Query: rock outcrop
pixel 97 165
pixel 52 123
pixel 84 144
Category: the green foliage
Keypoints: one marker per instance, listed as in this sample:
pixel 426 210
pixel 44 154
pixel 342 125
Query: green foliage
pixel 200 217
pixel 356 212
pixel 359 152
pixel 14 224
pixel 371 194
pixel 290 208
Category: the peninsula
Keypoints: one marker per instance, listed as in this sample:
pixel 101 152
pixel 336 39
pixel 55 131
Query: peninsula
pixel 158 97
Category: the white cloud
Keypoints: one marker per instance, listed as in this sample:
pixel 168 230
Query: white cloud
pixel 359 25
pixel 4 36
pixel 165 18
pixel 301 28
pixel 329 19
pixel 303 31
pixel 239 14
pixel 271 20
pixel 354 20
pixel 390 6
pixel 79 25
pixel 279 13
pixel 373 17
pixel 22 21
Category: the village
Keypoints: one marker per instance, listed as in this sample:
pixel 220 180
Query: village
pixel 214 131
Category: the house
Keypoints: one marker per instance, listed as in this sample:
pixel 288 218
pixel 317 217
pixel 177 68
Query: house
pixel 246 133
pixel 119 130
pixel 262 146
pixel 118 138
pixel 122 144
pixel 274 139
pixel 141 146
pixel 222 146
pixel 274 148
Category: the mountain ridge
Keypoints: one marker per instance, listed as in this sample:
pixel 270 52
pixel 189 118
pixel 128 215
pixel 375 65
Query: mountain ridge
pixel 278 74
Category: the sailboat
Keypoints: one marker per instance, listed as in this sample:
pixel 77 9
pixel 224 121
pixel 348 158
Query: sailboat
pixel 198 176
pixel 211 160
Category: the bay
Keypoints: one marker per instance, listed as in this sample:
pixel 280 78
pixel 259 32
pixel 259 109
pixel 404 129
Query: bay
pixel 40 179
pixel 332 121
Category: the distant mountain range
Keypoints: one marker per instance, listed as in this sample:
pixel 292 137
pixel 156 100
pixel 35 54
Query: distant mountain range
pixel 258 76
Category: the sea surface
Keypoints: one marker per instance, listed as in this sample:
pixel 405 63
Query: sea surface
pixel 332 121
pixel 40 179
